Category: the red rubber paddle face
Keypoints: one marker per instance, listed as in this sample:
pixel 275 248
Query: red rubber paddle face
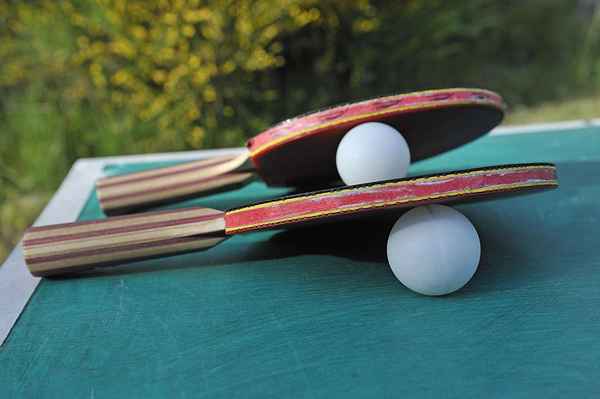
pixel 363 199
pixel 301 151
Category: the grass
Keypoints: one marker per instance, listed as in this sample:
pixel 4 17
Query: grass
pixel 578 108
pixel 17 213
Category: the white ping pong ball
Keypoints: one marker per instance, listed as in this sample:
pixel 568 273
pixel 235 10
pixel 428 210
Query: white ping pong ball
pixel 372 152
pixel 433 250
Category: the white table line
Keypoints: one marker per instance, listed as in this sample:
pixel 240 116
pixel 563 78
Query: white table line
pixel 17 285
pixel 545 127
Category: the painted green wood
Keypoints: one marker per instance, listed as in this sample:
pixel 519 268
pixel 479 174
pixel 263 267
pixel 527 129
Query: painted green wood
pixel 316 313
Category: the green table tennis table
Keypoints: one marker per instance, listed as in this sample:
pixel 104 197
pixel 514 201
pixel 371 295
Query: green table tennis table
pixel 316 312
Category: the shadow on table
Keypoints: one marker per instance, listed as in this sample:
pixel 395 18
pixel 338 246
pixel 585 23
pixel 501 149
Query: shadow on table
pixel 362 241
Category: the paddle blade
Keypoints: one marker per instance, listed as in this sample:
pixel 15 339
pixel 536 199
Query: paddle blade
pixel 72 247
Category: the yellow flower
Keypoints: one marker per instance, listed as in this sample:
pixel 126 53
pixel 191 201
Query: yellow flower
pixel 228 67
pixel 192 113
pixel 365 25
pixel 194 62
pixel 200 77
pixel 166 54
pixel 170 18
pixel 139 32
pixel 159 76
pixel 196 136
pixel 209 94
pixel 121 77
pixel 123 47
pixel 97 75
pixel 171 36
pixel 188 31
pixel 195 16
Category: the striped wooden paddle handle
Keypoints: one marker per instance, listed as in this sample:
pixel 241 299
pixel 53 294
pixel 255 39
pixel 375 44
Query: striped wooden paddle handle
pixel 72 247
pixel 138 191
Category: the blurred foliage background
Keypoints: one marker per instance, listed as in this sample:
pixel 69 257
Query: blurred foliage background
pixel 104 77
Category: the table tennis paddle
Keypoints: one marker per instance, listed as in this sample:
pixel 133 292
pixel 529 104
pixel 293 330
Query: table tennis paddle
pixel 70 247
pixel 301 151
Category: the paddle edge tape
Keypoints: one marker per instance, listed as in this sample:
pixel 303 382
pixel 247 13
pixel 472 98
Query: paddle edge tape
pixel 401 193
pixel 383 107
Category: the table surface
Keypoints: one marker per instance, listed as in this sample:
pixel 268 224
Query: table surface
pixel 316 312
